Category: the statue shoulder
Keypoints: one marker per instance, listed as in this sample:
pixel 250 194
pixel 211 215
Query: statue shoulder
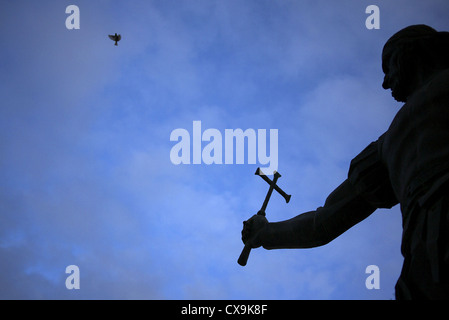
pixel 370 177
pixel 435 88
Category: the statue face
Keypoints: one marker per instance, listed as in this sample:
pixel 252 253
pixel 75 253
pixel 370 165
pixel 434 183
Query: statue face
pixel 394 79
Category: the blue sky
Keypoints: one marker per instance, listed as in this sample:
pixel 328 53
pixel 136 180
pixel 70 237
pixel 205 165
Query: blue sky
pixel 85 170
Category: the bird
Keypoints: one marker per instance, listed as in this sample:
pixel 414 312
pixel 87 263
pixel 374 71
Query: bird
pixel 116 37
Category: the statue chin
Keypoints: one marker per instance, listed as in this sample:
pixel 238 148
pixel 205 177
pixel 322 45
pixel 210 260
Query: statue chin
pixel 398 97
pixel 399 94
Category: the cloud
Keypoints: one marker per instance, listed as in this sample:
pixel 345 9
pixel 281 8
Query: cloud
pixel 84 136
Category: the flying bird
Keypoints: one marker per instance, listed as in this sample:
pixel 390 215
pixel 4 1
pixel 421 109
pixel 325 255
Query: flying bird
pixel 116 37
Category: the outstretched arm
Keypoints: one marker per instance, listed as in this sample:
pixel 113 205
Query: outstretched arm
pixel 342 210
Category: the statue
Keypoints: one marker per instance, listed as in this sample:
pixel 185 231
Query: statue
pixel 407 165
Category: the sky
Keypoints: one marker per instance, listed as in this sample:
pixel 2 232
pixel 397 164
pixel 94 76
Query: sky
pixel 85 168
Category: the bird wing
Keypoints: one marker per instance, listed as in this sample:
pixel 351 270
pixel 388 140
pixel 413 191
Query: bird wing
pixel 119 37
pixel 111 37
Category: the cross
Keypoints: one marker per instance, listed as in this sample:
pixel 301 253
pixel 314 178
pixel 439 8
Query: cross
pixel 273 185
pixel 276 175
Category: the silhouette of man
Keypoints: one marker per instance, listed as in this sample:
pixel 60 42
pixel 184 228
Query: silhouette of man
pixel 408 164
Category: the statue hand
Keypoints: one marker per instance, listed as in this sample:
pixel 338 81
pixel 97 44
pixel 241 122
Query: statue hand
pixel 251 233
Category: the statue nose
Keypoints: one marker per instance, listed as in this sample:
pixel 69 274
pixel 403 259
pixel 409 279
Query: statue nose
pixel 386 84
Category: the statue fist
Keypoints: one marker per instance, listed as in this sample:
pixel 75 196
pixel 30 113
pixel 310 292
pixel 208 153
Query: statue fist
pixel 251 233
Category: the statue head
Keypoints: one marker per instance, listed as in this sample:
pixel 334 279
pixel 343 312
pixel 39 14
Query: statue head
pixel 411 56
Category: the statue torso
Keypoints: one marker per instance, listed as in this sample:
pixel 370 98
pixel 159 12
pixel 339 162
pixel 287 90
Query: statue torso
pixel 415 149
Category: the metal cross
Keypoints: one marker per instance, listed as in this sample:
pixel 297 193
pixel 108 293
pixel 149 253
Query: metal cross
pixel 276 175
pixel 273 185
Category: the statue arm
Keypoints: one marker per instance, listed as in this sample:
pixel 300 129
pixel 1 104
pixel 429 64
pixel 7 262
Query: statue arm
pixel 342 210
pixel 367 188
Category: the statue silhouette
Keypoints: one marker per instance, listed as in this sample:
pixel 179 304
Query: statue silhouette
pixel 408 164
